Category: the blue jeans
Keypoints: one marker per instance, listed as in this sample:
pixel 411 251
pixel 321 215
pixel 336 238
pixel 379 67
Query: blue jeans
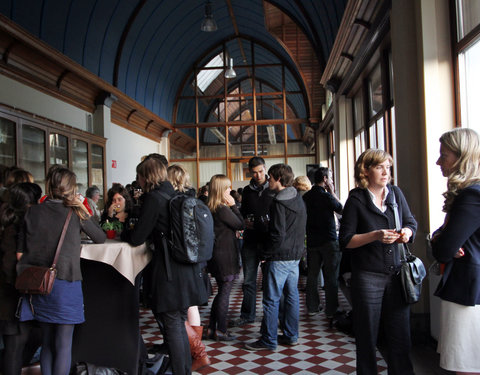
pixel 250 261
pixel 280 277
pixel 329 254
pixel 377 297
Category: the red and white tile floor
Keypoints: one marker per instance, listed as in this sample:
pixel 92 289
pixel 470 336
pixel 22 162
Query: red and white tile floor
pixel 320 350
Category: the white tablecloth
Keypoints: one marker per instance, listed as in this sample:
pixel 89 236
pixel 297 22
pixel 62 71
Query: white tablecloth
pixel 126 259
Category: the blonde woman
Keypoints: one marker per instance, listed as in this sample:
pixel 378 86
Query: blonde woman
pixel 225 264
pixel 302 184
pixel 180 180
pixel 368 230
pixel 457 244
pixel 59 311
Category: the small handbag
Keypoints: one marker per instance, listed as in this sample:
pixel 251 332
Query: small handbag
pixel 413 271
pixel 39 279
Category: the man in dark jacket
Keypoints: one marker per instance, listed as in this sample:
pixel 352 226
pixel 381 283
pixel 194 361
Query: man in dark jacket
pixel 322 242
pixel 256 200
pixel 282 256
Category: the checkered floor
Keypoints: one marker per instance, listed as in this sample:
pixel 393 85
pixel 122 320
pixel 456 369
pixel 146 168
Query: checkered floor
pixel 321 350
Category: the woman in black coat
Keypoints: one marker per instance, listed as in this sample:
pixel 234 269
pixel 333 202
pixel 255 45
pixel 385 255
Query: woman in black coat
pixel 367 228
pixel 225 264
pixel 457 244
pixel 171 286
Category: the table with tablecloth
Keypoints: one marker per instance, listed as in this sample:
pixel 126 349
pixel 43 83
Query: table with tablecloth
pixel 110 335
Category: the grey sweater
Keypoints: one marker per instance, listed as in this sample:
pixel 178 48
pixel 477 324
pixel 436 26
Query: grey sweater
pixel 40 235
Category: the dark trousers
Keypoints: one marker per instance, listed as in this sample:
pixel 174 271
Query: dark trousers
pixel 175 336
pixel 375 297
pixel 250 262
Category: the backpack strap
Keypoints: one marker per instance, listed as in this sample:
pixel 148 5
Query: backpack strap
pixel 165 243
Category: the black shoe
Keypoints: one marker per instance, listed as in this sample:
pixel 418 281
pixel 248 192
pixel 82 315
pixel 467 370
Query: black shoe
pixel 257 345
pixel 283 340
pixel 208 334
pixel 239 322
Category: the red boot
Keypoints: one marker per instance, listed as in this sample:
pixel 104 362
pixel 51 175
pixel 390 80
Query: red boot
pixel 197 348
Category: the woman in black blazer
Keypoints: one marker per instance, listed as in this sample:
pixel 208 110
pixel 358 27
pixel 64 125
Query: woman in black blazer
pixel 225 264
pixel 457 244
pixel 367 229
pixel 170 290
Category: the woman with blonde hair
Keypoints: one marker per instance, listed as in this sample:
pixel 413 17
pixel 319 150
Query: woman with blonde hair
pixel 180 180
pixel 225 263
pixel 59 311
pixel 368 230
pixel 302 184
pixel 457 244
pixel 171 287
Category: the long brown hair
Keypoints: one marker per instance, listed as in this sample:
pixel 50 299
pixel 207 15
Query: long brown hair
pixel 153 171
pixel 62 184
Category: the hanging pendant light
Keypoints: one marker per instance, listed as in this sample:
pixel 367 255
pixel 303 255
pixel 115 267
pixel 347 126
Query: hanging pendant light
pixel 208 23
pixel 230 73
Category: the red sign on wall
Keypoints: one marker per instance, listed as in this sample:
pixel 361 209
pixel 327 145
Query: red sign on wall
pixel 114 164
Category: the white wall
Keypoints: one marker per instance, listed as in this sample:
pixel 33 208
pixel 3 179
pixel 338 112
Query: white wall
pixel 23 97
pixel 126 148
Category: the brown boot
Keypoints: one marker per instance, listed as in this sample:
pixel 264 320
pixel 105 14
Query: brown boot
pixel 197 348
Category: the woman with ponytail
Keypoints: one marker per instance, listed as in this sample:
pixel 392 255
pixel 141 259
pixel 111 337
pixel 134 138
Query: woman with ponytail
pixel 59 311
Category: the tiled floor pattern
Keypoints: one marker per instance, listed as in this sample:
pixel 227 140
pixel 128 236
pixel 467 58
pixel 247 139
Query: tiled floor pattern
pixel 321 350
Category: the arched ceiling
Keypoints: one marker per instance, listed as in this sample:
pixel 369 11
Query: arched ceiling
pixel 147 48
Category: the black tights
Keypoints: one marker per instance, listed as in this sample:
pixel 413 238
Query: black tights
pixel 219 311
pixel 14 348
pixel 56 356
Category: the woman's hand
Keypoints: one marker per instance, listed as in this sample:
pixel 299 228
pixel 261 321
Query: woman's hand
pixel 387 236
pixel 460 253
pixel 228 199
pixel 405 235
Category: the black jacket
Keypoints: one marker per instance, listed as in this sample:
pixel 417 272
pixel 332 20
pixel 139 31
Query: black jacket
pixel 321 206
pixel 186 287
pixel 225 259
pixel 360 215
pixel 461 280
pixel 288 219
pixel 256 201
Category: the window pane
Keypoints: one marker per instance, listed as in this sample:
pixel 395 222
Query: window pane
pixel 58 149
pixel 241 140
pixel 373 136
pixel 359 144
pixel 469 61
pixel 380 134
pixel 80 164
pixel 358 111
pixel 375 91
pixel 97 168
pixel 7 142
pixel 212 143
pixel 271 140
pixel 33 153
pixel 468 16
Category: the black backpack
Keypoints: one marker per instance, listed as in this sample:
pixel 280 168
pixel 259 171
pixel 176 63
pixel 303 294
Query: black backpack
pixel 191 229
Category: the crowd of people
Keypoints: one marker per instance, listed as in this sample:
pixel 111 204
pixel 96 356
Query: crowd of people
pixel 268 225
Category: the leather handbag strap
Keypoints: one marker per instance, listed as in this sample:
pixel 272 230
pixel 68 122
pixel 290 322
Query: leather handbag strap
pixel 404 251
pixel 62 237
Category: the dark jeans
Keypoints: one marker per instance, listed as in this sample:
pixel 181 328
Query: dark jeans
pixel 250 261
pixel 175 336
pixel 375 297
pixel 329 254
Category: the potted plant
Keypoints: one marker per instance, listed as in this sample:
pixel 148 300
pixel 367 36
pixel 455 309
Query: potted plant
pixel 112 228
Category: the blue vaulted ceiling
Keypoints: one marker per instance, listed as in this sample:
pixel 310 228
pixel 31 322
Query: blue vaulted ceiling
pixel 147 48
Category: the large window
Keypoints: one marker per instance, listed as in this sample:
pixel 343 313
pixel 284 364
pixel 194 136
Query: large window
pixel 468 59
pixel 35 145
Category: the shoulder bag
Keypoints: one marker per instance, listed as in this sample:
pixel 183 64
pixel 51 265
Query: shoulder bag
pixel 413 271
pixel 39 279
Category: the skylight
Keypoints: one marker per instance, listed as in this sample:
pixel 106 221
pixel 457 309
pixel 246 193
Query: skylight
pixel 206 77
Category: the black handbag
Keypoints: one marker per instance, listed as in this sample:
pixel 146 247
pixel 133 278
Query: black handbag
pixel 413 271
